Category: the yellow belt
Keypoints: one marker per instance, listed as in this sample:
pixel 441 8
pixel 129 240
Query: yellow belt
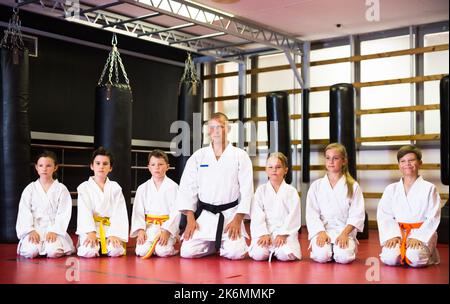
pixel 157 220
pixel 104 221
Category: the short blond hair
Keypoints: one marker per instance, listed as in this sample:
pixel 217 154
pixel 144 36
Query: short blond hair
pixel 283 159
pixel 219 116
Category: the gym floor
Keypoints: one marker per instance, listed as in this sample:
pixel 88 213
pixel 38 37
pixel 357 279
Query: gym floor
pixel 217 270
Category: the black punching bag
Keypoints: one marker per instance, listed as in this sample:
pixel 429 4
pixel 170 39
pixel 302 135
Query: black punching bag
pixel 278 130
pixel 443 225
pixel 444 130
pixel 15 139
pixel 306 145
pixel 113 122
pixel 241 119
pixel 342 130
pixel 189 102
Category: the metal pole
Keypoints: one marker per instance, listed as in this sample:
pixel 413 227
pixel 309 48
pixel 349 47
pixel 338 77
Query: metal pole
pixel 304 186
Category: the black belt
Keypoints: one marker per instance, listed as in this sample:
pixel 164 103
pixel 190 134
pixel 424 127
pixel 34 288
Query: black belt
pixel 215 209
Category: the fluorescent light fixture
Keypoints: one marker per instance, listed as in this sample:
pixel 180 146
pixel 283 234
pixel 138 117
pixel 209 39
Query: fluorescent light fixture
pixel 210 8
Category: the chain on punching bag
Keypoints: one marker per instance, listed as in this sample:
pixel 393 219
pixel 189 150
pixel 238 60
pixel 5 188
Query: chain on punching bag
pixel 15 139
pixel 113 119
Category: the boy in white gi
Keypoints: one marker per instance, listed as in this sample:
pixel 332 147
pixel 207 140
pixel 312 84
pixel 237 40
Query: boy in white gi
pixel 44 214
pixel 275 215
pixel 408 215
pixel 215 193
pixel 155 220
pixel 334 210
pixel 102 213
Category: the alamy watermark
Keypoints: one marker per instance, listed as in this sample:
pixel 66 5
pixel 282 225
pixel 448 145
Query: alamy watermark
pixel 373 273
pixel 185 143
pixel 73 270
pixel 373 10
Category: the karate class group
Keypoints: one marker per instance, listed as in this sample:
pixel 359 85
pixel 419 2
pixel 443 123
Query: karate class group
pixel 212 207
pixel 216 195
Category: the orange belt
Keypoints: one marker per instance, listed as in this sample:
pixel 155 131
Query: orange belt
pixel 405 229
pixel 157 220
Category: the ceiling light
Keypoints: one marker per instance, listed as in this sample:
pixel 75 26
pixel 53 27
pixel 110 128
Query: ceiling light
pixel 211 8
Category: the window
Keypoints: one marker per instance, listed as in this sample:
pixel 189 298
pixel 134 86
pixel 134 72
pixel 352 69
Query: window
pixel 434 63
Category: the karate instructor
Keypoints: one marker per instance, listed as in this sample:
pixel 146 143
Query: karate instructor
pixel 215 194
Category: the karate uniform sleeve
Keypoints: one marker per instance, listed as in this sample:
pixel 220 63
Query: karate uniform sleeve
pixel 119 218
pixel 138 213
pixel 356 212
pixel 173 224
pixel 313 221
pixel 63 213
pixel 25 222
pixel 85 216
pixel 258 225
pixel 187 197
pixel 388 227
pixel 245 177
pixel 293 222
pixel 433 218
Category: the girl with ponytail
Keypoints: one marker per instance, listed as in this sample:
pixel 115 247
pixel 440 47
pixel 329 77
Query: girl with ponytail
pixel 334 210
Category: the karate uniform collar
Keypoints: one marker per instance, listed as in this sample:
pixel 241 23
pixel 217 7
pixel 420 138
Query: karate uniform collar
pixel 152 183
pixel 52 186
pixel 418 180
pixel 92 181
pixel 224 150
pixel 341 180
pixel 282 185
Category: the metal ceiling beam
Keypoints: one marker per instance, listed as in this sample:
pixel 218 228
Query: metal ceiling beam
pixel 226 45
pixel 133 19
pixel 176 27
pixel 194 14
pixel 25 2
pixel 100 7
pixel 214 20
pixel 198 38
pixel 135 27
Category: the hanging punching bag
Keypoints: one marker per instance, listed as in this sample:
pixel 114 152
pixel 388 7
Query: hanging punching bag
pixel 444 129
pixel 241 118
pixel 278 129
pixel 342 130
pixel 15 141
pixel 189 102
pixel 443 225
pixel 113 118
pixel 306 146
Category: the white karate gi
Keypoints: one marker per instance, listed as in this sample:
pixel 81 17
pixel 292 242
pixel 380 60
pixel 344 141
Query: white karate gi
pixel 276 213
pixel 329 209
pixel 216 182
pixel 108 203
pixel 44 212
pixel 149 200
pixel 422 204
